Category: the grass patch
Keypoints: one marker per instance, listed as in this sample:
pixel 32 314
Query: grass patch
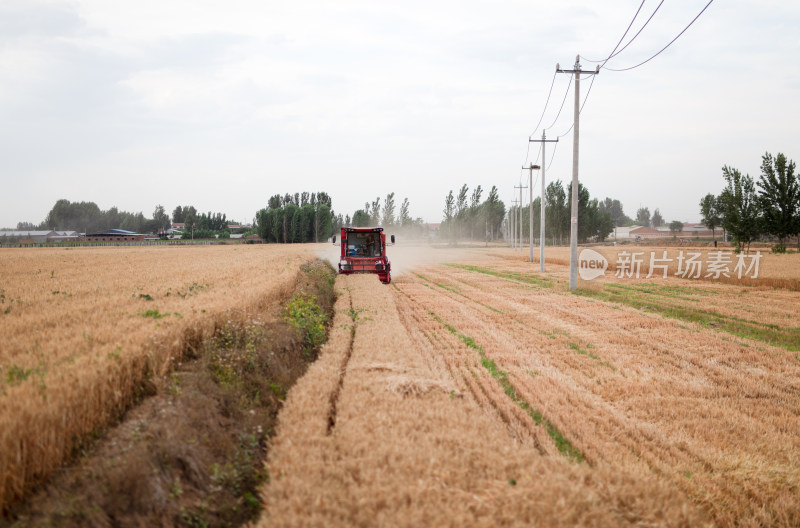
pixel 307 316
pixel 535 280
pixel 562 443
pixel 651 300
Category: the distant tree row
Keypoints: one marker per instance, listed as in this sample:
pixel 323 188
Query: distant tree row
pixel 747 213
pixel 296 218
pixel 87 217
pixel 386 215
pixel 466 217
pixel 204 225
pixel 596 218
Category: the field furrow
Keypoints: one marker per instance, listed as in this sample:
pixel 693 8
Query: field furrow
pixel 714 413
pixel 415 446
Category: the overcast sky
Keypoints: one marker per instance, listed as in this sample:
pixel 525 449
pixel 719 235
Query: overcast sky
pixel 223 104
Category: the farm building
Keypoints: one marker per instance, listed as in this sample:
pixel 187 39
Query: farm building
pixel 635 232
pixel 115 235
pixel 38 237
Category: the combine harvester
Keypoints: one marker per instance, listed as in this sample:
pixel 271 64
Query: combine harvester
pixel 364 251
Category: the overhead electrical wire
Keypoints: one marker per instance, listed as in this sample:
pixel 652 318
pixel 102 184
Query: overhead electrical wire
pixel 552 157
pixel 585 98
pixel 552 83
pixel 566 93
pixel 665 47
pixel 613 52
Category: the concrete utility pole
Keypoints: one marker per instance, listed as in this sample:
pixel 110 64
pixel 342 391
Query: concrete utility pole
pixel 519 212
pixel 541 205
pixel 573 232
pixel 512 214
pixel 530 207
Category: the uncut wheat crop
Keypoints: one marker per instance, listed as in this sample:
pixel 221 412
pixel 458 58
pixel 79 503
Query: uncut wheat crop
pixel 84 329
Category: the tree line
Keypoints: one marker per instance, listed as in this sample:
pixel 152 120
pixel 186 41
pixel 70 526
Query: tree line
pixel 386 214
pixel 87 217
pixel 597 218
pixel 748 209
pixel 296 218
pixel 309 217
pixel 466 217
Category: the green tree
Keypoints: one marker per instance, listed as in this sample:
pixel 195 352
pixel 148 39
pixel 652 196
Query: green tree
pixel 779 197
pixel 449 213
pixel 657 219
pixel 675 227
pixel 323 222
pixel 711 213
pixel 361 218
pixel 604 224
pixel 615 210
pixel 494 211
pixel 474 211
pixel 461 211
pixel 161 219
pixel 405 215
pixel 375 212
pixel 740 207
pixel 556 212
pixel 178 215
pixel 643 216
pixel 388 210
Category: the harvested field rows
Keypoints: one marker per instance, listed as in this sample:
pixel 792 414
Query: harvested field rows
pixel 84 330
pixel 408 428
pixel 711 412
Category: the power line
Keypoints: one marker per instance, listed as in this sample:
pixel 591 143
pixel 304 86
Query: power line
pixel 585 98
pixel 562 105
pixel 626 32
pixel 552 83
pixel 665 47
pixel 549 93
pixel 615 53
pixel 552 157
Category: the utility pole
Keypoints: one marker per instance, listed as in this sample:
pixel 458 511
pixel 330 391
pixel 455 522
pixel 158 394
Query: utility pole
pixel 519 212
pixel 530 207
pixel 513 216
pixel 541 205
pixel 573 232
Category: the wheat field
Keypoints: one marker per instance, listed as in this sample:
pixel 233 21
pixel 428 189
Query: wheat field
pixel 472 391
pixel 84 330
pixel 477 391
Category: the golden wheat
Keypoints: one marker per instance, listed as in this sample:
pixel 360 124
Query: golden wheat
pixel 708 412
pixel 83 328
pixel 380 433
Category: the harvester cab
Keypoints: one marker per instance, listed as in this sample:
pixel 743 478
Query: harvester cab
pixel 363 250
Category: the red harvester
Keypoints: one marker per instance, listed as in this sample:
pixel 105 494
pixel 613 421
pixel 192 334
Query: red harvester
pixel 364 251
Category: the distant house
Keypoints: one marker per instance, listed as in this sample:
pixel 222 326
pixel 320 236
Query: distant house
pixel 645 232
pixel 27 237
pixel 623 233
pixel 115 235
pixel 690 230
pixel 64 236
